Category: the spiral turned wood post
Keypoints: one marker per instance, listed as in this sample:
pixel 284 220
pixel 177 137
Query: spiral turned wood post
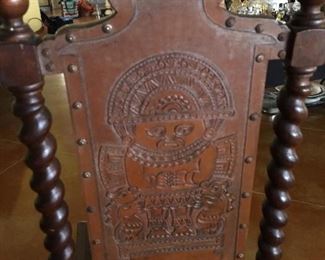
pixel 29 106
pixel 19 71
pixel 301 63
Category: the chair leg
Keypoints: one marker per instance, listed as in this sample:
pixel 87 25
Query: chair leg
pixel 82 243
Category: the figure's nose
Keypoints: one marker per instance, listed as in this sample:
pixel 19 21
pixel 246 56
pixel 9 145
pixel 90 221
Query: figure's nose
pixel 170 136
pixel 170 141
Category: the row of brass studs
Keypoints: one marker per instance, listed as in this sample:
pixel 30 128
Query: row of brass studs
pixel 77 105
pixel 245 195
pixel 282 37
pixel 259 28
pixel 47 54
pixel 231 21
pixel 106 28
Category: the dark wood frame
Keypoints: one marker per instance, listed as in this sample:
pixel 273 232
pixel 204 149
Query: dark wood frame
pixel 300 67
pixel 302 56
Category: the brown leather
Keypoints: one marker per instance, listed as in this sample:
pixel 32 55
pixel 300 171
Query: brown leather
pixel 165 100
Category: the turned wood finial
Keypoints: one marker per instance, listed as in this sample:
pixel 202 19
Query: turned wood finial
pixel 312 6
pixel 310 16
pixel 311 2
pixel 13 9
pixel 14 29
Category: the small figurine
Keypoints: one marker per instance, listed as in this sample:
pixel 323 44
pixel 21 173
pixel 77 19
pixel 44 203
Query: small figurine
pixel 85 8
pixel 69 8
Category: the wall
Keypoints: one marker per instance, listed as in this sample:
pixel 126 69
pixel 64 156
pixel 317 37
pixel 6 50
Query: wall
pixel 33 12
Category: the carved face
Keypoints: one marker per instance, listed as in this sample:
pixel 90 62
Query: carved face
pixel 168 135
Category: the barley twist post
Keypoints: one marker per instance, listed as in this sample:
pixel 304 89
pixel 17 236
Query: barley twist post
pixel 286 125
pixel 19 72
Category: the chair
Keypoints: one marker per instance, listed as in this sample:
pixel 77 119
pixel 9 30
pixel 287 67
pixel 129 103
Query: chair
pixel 165 99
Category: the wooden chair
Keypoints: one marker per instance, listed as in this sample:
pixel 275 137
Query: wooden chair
pixel 165 99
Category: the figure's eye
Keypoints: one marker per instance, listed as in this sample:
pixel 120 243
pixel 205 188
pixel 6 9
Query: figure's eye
pixel 157 132
pixel 183 130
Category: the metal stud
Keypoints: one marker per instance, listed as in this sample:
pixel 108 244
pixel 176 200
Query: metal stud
pixel 90 209
pixel 86 175
pixel 77 105
pixel 45 52
pixel 282 54
pixel 282 36
pixel 243 226
pixel 260 58
pixel 82 141
pixel 254 116
pixel 240 256
pixel 96 242
pixel 70 37
pixel 50 66
pixel 245 195
pixel 107 28
pixel 249 159
pixel 259 28
pixel 72 68
pixel 230 22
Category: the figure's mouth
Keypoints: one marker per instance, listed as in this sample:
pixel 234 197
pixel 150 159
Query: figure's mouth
pixel 170 144
pixel 209 218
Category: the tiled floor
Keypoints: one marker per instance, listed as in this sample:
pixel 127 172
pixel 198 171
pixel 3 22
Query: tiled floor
pixel 19 232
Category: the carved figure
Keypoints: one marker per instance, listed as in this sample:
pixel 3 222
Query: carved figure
pixel 166 112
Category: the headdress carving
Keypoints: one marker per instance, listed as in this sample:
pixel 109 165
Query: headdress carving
pixel 169 87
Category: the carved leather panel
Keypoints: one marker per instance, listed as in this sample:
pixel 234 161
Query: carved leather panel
pixel 168 180
pixel 167 96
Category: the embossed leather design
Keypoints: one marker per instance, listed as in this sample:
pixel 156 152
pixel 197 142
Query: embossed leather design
pixel 165 128
pixel 168 179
